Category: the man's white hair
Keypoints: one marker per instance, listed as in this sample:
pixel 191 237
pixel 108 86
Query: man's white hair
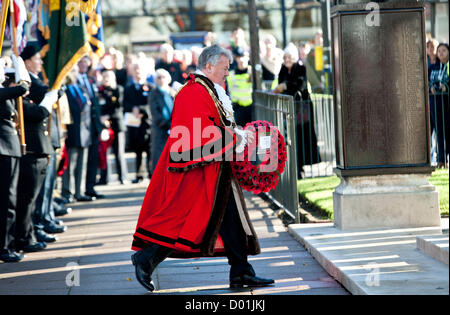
pixel 212 55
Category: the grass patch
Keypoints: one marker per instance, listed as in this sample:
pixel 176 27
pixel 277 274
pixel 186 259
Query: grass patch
pixel 440 180
pixel 319 191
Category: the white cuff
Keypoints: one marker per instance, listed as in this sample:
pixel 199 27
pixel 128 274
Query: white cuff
pixel 243 134
pixel 50 98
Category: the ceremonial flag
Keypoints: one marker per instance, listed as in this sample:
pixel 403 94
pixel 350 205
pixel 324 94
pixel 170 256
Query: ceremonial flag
pixel 67 38
pixel 20 18
pixel 94 25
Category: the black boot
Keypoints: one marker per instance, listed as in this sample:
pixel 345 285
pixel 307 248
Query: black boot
pixel 145 262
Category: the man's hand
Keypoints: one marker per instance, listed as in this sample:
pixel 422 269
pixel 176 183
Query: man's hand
pixel 137 112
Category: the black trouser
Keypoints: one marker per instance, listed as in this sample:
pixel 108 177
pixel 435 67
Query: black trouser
pixel 31 177
pixel 9 170
pixel 92 165
pixel 119 155
pixel 234 240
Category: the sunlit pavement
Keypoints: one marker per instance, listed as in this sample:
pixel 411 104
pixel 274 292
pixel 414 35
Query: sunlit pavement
pixel 93 256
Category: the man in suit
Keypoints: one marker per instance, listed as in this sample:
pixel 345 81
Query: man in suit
pixel 86 83
pixel 78 140
pixel 37 107
pixel 9 166
pixel 136 102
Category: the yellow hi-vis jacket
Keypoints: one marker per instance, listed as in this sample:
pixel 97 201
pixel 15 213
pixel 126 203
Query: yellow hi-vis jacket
pixel 240 87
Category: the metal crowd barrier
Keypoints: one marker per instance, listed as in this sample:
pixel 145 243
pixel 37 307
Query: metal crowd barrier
pixel 280 111
pixel 439 123
pixel 315 118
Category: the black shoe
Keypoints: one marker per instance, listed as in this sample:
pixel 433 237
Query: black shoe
pixel 94 195
pixel 54 228
pixel 62 211
pixel 65 200
pixel 137 180
pixel 11 256
pixel 33 247
pixel 41 236
pixel 85 198
pixel 249 281
pixel 143 277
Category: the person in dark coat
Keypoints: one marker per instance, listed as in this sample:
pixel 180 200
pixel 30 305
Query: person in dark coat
pixel 135 101
pixel 87 84
pixel 292 81
pixel 161 104
pixel 438 75
pixel 168 63
pixel 111 105
pixel 78 140
pixel 37 107
pixel 9 166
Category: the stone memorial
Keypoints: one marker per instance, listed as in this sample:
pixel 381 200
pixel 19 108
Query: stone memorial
pixel 381 116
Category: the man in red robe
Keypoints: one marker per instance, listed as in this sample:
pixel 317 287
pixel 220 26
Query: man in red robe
pixel 193 206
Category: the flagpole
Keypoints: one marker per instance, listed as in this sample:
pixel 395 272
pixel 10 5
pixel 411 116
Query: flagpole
pixel 3 16
pixel 21 125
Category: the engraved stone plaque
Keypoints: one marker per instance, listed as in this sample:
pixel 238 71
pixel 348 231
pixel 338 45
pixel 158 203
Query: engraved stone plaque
pixel 380 97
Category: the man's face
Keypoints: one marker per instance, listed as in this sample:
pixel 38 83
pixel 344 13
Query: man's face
pixel 84 65
pixel 137 73
pixel 218 73
pixel 34 64
pixel 242 62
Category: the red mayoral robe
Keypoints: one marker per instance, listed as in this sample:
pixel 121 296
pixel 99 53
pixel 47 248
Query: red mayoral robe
pixel 185 202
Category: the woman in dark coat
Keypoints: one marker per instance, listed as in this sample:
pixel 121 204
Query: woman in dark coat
pixel 111 104
pixel 292 81
pixel 161 104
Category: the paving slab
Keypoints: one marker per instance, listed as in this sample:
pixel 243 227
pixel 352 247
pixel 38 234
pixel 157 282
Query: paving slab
pixel 381 261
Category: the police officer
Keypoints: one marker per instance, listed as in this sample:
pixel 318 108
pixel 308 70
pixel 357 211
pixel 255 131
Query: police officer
pixel 240 87
pixel 9 166
pixel 37 107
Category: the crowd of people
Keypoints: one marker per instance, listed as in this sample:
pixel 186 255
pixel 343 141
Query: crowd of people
pixel 123 103
pixel 116 104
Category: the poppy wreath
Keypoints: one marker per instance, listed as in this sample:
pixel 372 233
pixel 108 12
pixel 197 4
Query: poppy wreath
pixel 260 165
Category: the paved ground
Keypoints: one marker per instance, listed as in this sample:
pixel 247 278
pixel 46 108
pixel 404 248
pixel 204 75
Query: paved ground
pixel 93 257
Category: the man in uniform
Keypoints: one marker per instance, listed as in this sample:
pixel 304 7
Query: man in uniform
pixel 9 166
pixel 37 107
